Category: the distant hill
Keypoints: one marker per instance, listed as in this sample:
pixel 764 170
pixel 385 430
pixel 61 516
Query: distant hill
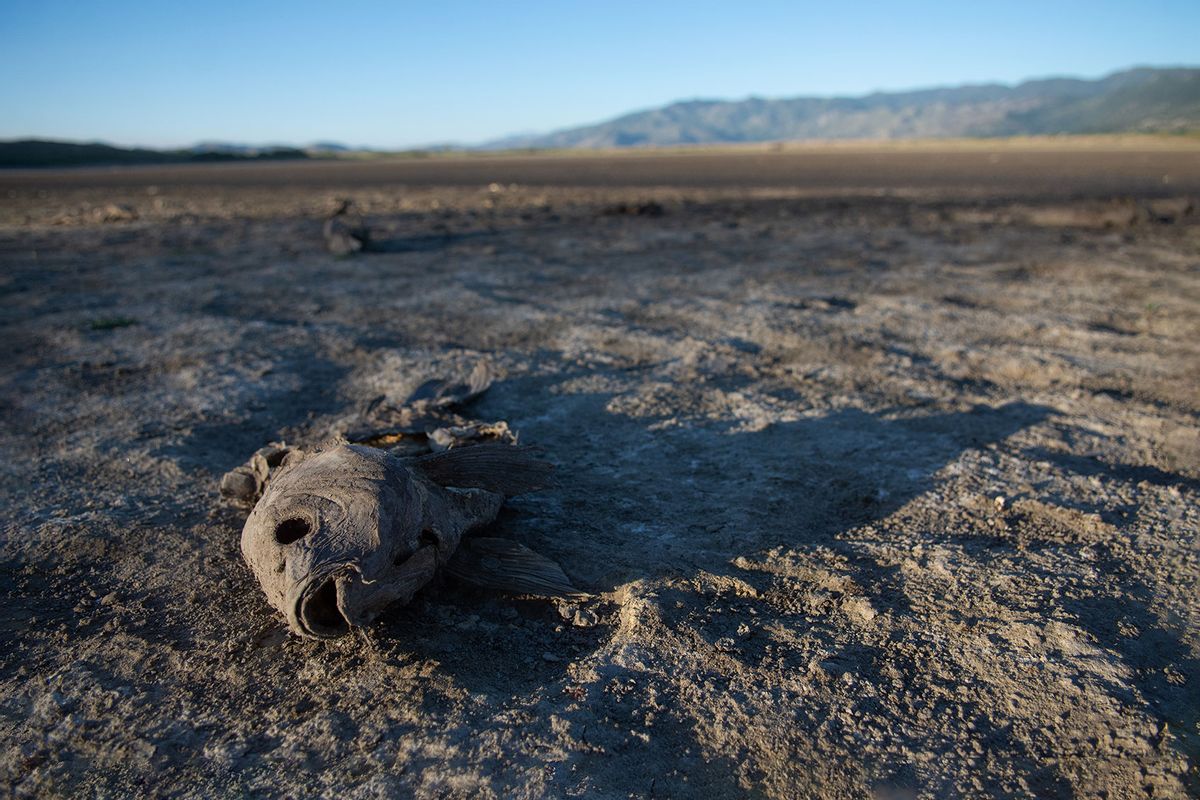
pixel 43 153
pixel 1146 100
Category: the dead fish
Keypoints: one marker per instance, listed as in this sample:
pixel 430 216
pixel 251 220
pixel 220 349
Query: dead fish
pixel 342 534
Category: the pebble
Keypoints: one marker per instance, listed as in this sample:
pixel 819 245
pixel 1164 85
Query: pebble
pixel 585 618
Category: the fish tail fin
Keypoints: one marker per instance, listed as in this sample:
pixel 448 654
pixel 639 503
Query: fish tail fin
pixel 507 566
pixel 502 468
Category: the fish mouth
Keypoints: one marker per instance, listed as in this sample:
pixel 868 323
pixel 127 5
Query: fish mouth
pixel 318 608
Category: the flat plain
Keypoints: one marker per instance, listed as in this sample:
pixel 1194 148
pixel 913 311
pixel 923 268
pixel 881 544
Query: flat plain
pixel 882 466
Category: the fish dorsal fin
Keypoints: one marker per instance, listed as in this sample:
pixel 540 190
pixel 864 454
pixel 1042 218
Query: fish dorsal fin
pixel 503 468
pixel 507 566
pixel 447 393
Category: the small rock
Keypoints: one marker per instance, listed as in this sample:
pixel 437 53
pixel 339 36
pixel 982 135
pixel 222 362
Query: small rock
pixel 550 657
pixel 860 609
pixel 114 212
pixel 1170 209
pixel 585 618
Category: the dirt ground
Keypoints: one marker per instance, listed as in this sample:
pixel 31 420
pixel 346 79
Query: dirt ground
pixel 884 487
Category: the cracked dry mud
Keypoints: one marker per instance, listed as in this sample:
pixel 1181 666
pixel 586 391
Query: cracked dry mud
pixel 889 495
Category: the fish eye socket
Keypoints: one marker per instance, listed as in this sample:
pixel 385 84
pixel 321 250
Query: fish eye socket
pixel 291 530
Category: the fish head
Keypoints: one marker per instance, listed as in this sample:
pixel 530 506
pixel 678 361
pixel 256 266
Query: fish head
pixel 340 534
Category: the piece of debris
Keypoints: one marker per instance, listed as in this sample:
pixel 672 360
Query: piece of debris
pixel 426 421
pixel 646 209
pixel 111 323
pixel 458 435
pixel 345 230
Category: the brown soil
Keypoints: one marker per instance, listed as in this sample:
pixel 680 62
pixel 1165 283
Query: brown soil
pixel 883 469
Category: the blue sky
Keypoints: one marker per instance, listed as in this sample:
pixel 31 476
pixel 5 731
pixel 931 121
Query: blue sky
pixel 403 74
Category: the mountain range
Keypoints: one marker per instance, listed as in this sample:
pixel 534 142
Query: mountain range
pixel 1141 100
